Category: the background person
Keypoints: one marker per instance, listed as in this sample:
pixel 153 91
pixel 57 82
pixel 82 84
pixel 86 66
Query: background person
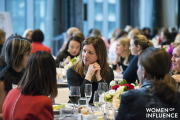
pixel 123 55
pixel 176 64
pixel 28 34
pixel 37 39
pixel 72 50
pixel 137 45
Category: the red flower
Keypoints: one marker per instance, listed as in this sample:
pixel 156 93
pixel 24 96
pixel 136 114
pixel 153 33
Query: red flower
pixel 129 86
pixel 115 87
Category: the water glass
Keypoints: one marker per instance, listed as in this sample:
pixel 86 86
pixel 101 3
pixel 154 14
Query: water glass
pixel 82 101
pixel 102 88
pixel 88 91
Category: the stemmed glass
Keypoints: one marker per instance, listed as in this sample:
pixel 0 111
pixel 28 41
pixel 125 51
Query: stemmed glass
pixel 75 95
pixel 88 92
pixel 102 88
pixel 96 100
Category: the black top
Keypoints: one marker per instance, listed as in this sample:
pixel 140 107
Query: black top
pixel 75 79
pixel 136 103
pixel 61 56
pixel 121 63
pixel 9 76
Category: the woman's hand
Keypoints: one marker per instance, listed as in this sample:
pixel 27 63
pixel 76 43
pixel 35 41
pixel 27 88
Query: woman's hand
pixel 93 69
pixel 98 71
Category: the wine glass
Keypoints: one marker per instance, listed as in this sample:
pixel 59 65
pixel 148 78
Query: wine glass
pixel 88 91
pixel 75 95
pixel 102 88
pixel 96 100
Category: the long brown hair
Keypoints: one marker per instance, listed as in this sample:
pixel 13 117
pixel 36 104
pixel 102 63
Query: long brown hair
pixel 157 64
pixel 40 75
pixel 101 53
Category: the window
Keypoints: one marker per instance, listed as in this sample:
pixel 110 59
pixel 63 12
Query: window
pixel 18 15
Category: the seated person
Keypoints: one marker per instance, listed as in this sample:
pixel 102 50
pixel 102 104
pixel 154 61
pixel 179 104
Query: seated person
pixel 123 55
pixel 2 55
pixel 137 45
pixel 157 89
pixel 37 39
pixel 17 52
pixel 30 101
pixel 176 64
pixel 28 34
pixel 92 67
pixel 72 50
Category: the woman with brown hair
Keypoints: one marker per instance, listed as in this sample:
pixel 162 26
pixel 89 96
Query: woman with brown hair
pixel 157 97
pixel 92 67
pixel 37 83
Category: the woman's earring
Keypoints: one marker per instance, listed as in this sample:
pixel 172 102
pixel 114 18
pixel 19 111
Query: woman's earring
pixel 68 50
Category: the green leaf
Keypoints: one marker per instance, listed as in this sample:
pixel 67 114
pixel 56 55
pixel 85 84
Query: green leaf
pixel 136 83
pixel 123 82
pixel 125 88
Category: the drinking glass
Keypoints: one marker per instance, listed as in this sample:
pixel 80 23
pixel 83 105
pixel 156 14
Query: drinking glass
pixel 88 92
pixel 102 88
pixel 75 95
pixel 96 100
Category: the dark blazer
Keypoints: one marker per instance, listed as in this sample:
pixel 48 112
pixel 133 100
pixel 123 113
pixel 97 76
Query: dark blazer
pixel 130 74
pixel 136 103
pixel 75 79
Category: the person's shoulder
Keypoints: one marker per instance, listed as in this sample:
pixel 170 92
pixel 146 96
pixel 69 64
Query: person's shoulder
pixel 131 57
pixel 130 96
pixel 130 93
pixel 134 94
pixel 71 70
pixel 134 59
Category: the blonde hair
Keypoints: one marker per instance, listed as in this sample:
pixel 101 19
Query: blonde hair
pixel 125 42
pixel 133 33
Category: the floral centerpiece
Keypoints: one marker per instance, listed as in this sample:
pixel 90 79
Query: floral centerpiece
pixel 114 95
pixel 71 62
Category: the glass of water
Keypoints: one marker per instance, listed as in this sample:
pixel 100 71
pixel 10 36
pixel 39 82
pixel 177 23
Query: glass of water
pixel 88 92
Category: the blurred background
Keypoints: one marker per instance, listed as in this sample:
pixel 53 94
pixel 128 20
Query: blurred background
pixel 54 17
